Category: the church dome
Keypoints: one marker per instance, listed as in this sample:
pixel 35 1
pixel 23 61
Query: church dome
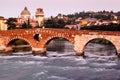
pixel 25 12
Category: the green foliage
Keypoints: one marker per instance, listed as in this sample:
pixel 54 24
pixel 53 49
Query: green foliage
pixel 104 15
pixel 110 27
pixel 29 25
pixel 70 21
pixel 54 23
pixel 60 23
pixel 26 25
pixel 11 23
pixel 50 23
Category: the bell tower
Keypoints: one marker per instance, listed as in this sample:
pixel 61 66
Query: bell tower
pixel 40 16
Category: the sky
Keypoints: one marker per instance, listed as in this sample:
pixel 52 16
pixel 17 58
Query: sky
pixel 13 8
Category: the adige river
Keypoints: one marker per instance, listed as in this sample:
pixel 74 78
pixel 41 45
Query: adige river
pixel 101 63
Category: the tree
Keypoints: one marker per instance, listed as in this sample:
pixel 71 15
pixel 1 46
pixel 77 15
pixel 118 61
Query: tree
pixel 11 23
pixel 50 23
pixel 61 23
pixel 29 25
pixel 26 25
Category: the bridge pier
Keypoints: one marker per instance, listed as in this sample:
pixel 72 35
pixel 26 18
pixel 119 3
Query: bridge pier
pixel 118 53
pixel 8 50
pixel 80 53
pixel 117 46
pixel 39 51
pixel 79 50
pixel 79 45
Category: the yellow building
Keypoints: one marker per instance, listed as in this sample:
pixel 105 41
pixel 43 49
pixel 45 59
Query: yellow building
pixel 3 26
pixel 84 22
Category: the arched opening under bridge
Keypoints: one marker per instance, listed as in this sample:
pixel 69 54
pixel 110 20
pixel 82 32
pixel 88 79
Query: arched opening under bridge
pixel 59 46
pixel 100 47
pixel 19 46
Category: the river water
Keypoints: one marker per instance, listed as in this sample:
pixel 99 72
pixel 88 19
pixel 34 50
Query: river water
pixel 101 63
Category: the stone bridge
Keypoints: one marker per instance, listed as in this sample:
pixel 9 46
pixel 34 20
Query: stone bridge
pixel 38 39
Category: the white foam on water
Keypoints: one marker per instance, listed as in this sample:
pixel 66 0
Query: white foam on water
pixel 7 57
pixel 104 69
pixel 24 63
pixel 75 68
pixel 58 78
pixel 80 61
pixel 27 62
pixel 100 69
pixel 67 68
pixel 17 54
pixel 104 64
pixel 103 58
pixel 39 74
pixel 59 54
pixel 22 53
pixel 38 57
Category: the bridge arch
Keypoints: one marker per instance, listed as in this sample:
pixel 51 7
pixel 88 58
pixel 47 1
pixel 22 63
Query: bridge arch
pixel 101 41
pixel 17 45
pixel 54 37
pixel 15 38
pixel 60 45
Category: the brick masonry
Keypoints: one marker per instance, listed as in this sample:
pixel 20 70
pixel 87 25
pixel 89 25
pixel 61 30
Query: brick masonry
pixel 78 38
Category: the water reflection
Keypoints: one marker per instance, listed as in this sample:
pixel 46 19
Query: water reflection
pixel 63 48
pixel 100 50
pixel 60 48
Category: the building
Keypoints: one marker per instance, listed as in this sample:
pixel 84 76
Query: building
pixel 88 21
pixel 25 16
pixel 3 26
pixel 40 16
pixel 74 26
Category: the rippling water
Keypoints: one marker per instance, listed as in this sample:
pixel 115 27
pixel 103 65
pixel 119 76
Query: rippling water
pixel 101 63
